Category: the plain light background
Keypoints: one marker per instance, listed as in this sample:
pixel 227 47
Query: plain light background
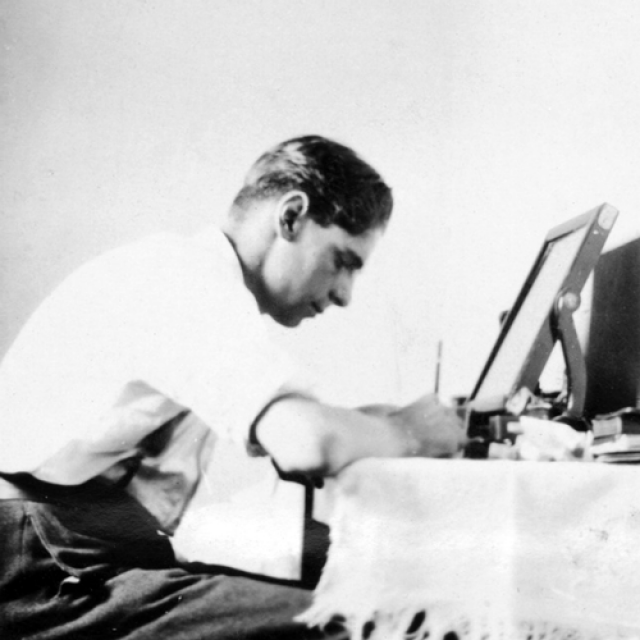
pixel 492 120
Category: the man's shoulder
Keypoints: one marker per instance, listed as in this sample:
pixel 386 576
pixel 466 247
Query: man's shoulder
pixel 162 268
pixel 166 255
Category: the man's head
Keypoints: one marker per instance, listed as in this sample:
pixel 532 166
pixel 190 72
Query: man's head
pixel 304 223
pixel 343 190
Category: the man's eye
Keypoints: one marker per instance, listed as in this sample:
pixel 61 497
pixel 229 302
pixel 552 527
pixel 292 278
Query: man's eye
pixel 342 262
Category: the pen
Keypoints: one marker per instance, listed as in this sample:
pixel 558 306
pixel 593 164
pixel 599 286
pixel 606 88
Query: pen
pixel 438 363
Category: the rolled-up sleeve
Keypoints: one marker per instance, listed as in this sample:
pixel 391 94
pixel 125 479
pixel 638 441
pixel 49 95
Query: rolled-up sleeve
pixel 205 345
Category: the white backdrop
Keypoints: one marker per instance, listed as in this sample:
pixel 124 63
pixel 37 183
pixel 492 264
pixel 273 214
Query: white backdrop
pixel 492 120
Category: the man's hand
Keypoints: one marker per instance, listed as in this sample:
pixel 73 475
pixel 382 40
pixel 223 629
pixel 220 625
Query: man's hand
pixel 432 429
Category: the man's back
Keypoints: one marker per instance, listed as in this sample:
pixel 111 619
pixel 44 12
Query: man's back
pixel 127 343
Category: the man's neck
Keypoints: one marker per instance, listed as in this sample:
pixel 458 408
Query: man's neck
pixel 250 248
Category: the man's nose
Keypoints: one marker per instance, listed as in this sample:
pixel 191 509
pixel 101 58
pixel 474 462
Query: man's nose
pixel 341 294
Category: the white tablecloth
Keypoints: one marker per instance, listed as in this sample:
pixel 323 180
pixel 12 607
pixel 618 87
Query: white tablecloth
pixel 487 548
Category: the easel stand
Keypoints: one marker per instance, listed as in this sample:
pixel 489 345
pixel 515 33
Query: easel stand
pixel 484 428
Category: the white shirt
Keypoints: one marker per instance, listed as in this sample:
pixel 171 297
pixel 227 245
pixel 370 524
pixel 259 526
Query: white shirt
pixel 160 332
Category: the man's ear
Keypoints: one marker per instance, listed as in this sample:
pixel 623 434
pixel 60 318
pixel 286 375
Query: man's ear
pixel 292 209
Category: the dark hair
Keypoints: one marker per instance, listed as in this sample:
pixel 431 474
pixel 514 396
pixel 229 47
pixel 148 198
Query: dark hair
pixel 342 188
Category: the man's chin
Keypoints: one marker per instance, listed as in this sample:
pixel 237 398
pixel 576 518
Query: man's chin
pixel 289 320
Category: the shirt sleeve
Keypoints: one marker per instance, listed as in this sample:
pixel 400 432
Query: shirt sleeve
pixel 204 344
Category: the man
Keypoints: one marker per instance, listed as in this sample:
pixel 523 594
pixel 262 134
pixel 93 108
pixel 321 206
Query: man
pixel 115 392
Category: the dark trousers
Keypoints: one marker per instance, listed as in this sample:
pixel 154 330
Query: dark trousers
pixel 88 563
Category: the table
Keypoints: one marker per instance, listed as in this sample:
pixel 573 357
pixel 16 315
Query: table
pixel 485 548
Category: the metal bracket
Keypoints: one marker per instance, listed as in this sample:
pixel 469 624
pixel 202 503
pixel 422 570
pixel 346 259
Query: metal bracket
pixel 566 303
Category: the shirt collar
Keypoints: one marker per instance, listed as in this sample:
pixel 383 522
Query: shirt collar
pixel 212 238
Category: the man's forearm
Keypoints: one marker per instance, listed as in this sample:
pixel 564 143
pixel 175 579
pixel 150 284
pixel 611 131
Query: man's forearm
pixel 382 410
pixel 305 436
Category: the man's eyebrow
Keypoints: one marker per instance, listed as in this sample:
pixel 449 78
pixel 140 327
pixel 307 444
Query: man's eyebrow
pixel 351 259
